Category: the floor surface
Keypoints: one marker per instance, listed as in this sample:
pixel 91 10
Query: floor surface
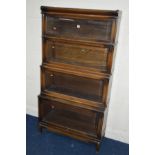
pixel 49 143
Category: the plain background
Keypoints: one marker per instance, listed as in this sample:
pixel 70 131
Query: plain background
pixel 13 77
pixel 118 116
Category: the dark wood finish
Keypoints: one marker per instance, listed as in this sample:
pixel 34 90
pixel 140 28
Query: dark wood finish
pixel 79 29
pixel 73 85
pixel 70 117
pixel 97 57
pixel 78 50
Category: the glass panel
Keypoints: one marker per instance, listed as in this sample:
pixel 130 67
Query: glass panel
pixel 79 28
pixel 69 117
pixel 74 85
pixel 81 55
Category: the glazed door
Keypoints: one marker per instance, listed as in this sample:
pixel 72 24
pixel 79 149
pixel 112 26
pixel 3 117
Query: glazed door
pixel 80 29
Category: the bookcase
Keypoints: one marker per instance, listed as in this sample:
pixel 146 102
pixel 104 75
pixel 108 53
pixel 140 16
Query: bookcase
pixel 78 52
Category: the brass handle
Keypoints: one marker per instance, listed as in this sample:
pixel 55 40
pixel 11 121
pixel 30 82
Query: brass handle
pixel 83 50
pixel 78 26
pixel 52 107
pixel 54 28
pixel 51 75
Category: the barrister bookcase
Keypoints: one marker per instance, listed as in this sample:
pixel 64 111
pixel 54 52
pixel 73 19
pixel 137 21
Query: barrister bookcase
pixel 78 53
